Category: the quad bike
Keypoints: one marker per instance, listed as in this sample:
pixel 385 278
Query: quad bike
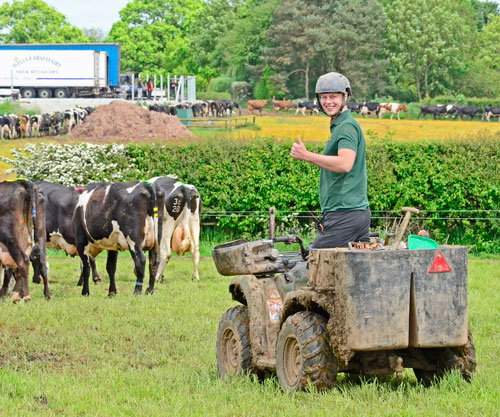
pixel 370 310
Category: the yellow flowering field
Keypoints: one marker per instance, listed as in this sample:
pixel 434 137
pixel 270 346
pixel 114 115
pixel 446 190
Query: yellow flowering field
pixel 315 128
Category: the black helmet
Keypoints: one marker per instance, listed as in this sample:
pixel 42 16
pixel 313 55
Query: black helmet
pixel 332 82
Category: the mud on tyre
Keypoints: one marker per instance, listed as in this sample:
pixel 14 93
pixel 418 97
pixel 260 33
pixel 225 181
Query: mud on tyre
pixel 303 353
pixel 233 343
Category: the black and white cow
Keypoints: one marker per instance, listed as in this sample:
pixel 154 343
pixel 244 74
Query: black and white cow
pixel 117 217
pixel 471 111
pixel 437 110
pixel 369 108
pixel 22 236
pixel 491 111
pixel 354 107
pixel 311 106
pixel 179 222
pixel 59 207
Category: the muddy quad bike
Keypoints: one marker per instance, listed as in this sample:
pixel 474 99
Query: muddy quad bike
pixel 355 310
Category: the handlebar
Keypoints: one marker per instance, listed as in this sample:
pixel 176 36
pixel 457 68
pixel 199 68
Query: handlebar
pixel 288 240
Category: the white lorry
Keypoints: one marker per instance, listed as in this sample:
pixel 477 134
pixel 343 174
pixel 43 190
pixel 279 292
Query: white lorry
pixel 54 73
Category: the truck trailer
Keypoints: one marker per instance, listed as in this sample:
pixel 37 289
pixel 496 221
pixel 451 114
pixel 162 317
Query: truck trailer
pixel 61 70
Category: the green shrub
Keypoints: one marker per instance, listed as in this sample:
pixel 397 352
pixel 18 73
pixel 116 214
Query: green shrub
pixel 220 84
pixel 241 91
pixel 442 178
pixel 212 96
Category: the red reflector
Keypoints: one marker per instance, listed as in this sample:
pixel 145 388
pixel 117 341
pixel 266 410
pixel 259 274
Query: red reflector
pixel 439 264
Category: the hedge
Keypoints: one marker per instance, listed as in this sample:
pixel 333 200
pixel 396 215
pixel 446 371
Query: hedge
pixel 251 176
pixel 235 176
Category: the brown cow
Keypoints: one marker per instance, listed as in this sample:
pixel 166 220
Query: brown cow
pixel 393 108
pixel 256 105
pixel 283 105
pixel 22 235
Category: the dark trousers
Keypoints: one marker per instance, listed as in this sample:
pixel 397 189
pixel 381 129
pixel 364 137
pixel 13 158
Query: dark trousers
pixel 337 228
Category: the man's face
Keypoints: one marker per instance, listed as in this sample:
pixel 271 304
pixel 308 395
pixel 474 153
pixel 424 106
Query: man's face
pixel 331 102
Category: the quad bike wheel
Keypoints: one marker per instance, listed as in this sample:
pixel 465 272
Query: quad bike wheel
pixel 303 353
pixel 463 359
pixel 233 343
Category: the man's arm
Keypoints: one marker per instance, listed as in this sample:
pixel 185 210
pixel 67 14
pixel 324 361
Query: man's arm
pixel 341 164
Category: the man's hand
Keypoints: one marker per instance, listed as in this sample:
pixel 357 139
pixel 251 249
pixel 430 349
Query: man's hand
pixel 299 150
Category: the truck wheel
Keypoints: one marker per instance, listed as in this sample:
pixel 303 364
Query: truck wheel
pixel 60 93
pixel 233 343
pixel 463 359
pixel 28 93
pixel 44 93
pixel 304 354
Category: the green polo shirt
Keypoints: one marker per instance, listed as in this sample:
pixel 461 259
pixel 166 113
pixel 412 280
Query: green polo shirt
pixel 345 191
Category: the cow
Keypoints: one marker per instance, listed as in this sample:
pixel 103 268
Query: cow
pixel 117 217
pixel 437 110
pixel 491 111
pixel 256 105
pixel 452 110
pixel 25 125
pixel 56 121
pixel 7 128
pixel 22 236
pixel 304 106
pixel 393 108
pixel 59 207
pixel 354 107
pixel 279 105
pixel 36 123
pixel 470 111
pixel 70 120
pixel 179 222
pixel 369 108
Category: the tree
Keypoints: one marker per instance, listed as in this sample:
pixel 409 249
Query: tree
pixel 243 44
pixel 356 44
pixel 95 34
pixel 483 78
pixel 33 21
pixel 429 41
pixel 148 27
pixel 296 38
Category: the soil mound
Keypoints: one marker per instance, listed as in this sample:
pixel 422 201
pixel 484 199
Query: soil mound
pixel 121 121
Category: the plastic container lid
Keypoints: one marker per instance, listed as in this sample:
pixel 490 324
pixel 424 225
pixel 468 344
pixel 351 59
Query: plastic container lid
pixel 416 242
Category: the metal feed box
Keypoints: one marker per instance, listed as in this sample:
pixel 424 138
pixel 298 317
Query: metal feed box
pixel 394 299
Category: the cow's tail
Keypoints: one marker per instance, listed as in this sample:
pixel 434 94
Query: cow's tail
pixel 36 251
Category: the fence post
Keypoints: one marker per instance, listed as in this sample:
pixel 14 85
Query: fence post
pixel 272 222
pixel 230 124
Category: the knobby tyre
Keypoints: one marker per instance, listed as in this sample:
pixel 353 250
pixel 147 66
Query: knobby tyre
pixel 462 359
pixel 303 353
pixel 233 343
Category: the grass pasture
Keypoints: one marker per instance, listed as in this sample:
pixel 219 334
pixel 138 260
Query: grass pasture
pixel 155 355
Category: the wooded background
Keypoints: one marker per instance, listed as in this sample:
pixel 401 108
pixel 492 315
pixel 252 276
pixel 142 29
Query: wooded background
pixel 397 49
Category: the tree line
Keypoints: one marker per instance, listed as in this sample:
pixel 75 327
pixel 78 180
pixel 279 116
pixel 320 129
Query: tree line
pixel 405 50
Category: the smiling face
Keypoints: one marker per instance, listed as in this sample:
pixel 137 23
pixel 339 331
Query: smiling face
pixel 331 102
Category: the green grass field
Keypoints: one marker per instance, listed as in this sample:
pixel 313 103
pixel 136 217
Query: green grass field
pixel 155 355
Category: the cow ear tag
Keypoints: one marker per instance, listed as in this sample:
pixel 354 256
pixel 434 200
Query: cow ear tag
pixel 439 264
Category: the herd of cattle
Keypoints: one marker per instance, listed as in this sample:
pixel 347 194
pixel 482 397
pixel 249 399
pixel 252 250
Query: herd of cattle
pixel 161 215
pixel 13 126
pixel 373 108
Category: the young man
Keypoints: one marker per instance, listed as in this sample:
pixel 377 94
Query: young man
pixel 343 178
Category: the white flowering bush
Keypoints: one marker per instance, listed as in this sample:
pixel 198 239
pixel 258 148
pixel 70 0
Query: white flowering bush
pixel 69 165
